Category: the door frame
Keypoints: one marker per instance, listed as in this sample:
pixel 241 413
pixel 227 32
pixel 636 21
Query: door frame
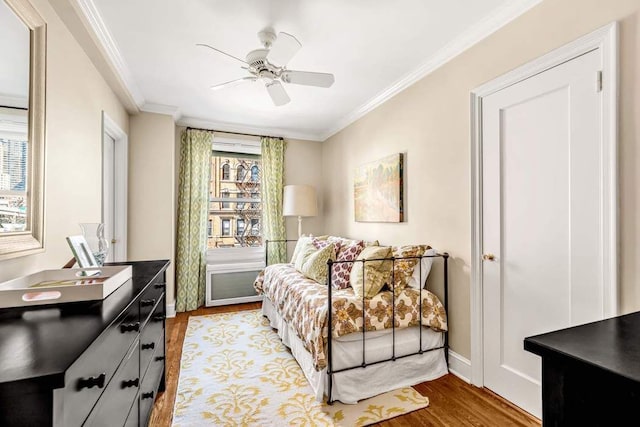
pixel 605 39
pixel 121 158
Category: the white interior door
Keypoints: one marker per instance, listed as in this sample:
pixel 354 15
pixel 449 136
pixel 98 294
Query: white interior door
pixel 108 194
pixel 114 188
pixel 542 218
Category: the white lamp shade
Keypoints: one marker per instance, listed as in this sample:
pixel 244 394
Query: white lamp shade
pixel 299 200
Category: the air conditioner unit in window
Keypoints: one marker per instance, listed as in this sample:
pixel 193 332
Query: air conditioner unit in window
pixel 232 283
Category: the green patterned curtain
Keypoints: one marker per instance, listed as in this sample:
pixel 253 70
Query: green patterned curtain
pixel 193 206
pixel 272 187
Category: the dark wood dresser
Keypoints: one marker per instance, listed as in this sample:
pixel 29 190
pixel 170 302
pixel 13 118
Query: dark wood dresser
pixel 97 363
pixel 591 373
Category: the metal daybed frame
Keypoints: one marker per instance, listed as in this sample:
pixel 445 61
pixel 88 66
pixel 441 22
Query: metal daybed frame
pixel 364 364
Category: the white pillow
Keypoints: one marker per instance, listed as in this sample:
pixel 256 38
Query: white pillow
pixel 302 241
pixel 414 282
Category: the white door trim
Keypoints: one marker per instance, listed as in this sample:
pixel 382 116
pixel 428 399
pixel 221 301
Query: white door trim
pixel 605 39
pixel 121 154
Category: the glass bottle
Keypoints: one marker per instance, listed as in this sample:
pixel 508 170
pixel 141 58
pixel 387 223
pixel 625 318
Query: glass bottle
pixel 94 234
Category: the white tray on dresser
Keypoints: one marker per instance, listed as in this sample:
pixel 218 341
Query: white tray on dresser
pixel 63 285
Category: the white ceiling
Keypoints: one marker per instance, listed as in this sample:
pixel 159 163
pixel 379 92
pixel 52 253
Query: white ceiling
pixel 374 49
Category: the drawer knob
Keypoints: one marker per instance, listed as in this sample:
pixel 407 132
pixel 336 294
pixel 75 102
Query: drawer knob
pixel 91 382
pixel 147 395
pixel 159 358
pixel 148 346
pixel 158 318
pixel 147 302
pixel 130 327
pixel 130 383
pixel 159 285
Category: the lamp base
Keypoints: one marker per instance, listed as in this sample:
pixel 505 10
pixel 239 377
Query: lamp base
pixel 299 227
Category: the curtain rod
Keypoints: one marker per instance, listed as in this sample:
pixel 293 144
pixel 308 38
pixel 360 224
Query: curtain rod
pixel 234 133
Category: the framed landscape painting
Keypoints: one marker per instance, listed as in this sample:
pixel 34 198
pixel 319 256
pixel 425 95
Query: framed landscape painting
pixel 378 190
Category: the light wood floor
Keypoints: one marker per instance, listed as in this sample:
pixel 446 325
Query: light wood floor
pixel 452 401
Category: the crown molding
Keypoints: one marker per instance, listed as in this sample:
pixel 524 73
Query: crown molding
pixel 167 110
pixel 481 30
pixel 487 26
pixel 108 44
pixel 252 130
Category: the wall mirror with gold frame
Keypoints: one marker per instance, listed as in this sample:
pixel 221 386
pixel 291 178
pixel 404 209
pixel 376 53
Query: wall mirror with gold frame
pixel 22 128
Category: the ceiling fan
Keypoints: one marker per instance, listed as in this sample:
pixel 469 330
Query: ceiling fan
pixel 269 65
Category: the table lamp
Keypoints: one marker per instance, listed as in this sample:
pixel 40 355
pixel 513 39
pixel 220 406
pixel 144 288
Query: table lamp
pixel 299 200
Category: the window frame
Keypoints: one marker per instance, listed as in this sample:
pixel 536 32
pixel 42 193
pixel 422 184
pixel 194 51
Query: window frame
pixel 225 172
pixel 222 231
pixel 244 145
pixel 244 226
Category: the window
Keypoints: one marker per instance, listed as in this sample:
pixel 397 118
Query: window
pixel 225 195
pixel 226 170
pixel 210 228
pixel 13 183
pixel 240 205
pixel 241 173
pixel 255 227
pixel 235 207
pixel 226 227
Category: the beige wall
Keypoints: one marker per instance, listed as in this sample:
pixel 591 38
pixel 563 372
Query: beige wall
pixel 75 98
pixel 430 123
pixel 303 165
pixel 152 174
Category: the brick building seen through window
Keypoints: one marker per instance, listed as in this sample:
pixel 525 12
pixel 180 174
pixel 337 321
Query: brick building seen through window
pixel 235 208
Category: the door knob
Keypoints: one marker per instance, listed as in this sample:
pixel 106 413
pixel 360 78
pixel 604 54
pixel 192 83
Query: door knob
pixel 489 257
pixel 114 241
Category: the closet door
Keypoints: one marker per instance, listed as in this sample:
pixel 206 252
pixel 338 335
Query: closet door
pixel 542 219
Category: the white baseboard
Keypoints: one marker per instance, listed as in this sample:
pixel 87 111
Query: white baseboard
pixel 460 366
pixel 171 310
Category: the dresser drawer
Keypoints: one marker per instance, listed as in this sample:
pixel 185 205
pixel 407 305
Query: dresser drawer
pixel 112 407
pixel 152 336
pixel 150 297
pixel 149 388
pixel 87 378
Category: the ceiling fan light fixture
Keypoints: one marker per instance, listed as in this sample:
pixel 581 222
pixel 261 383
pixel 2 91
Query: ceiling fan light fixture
pixel 269 65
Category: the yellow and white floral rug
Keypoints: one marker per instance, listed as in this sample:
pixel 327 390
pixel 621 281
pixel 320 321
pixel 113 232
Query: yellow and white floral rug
pixel 235 371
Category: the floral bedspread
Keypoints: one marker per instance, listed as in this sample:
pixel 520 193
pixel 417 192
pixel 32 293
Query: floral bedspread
pixel 303 304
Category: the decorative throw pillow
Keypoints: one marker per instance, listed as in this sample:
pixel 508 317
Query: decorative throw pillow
pixel 403 268
pixel 302 241
pixel 423 271
pixel 323 243
pixel 315 266
pixel 306 250
pixel 369 278
pixel 341 240
pixel 341 271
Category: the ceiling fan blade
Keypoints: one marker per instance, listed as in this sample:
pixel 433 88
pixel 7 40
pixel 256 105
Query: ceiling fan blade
pixel 283 49
pixel 233 83
pixel 277 93
pixel 224 53
pixel 308 78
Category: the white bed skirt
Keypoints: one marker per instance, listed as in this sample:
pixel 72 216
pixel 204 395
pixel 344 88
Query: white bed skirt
pixel 361 383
